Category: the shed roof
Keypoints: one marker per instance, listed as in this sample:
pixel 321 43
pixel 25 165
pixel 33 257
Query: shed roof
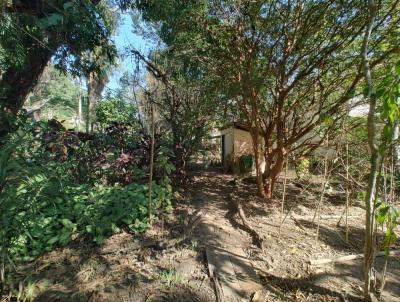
pixel 236 125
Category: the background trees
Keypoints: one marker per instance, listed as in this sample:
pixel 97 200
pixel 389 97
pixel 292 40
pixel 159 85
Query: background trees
pixel 32 34
pixel 185 102
pixel 56 95
pixel 290 70
pixel 289 67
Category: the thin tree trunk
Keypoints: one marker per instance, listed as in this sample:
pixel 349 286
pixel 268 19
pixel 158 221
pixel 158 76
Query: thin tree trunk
pixel 321 197
pixel 390 200
pixel 92 88
pixel 79 119
pixel 383 278
pixel 256 150
pixel 347 189
pixel 370 230
pixel 2 273
pixel 276 170
pixel 396 149
pixel 393 166
pixel 151 161
pixel 283 198
pixel 88 111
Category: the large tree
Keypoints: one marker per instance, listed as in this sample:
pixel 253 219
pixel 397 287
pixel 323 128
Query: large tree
pixel 33 32
pixel 290 66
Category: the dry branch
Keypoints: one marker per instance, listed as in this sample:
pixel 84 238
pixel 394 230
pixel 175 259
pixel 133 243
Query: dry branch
pixel 297 222
pixel 324 216
pixel 237 209
pixel 219 294
pixel 349 257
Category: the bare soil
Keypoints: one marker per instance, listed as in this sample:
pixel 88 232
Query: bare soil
pixel 85 272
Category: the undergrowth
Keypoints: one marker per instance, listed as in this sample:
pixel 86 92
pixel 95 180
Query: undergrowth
pixel 43 204
pixel 53 213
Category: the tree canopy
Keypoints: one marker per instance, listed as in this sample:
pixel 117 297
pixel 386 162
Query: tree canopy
pixel 33 34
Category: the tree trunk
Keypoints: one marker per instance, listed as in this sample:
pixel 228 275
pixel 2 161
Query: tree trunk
pixel 370 199
pixel 396 149
pixel 88 110
pixel 151 161
pixel 254 126
pixel 256 144
pixel 276 152
pixel 92 84
pixel 17 82
pixel 274 163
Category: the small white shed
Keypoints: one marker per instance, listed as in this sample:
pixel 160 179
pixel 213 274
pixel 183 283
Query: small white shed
pixel 236 141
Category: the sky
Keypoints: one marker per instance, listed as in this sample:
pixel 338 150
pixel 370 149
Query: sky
pixel 126 38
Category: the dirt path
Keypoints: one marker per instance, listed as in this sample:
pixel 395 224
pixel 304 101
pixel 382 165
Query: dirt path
pixel 284 263
pixel 229 266
pixel 84 272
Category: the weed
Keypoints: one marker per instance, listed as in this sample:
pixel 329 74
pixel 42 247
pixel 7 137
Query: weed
pixel 171 277
pixel 195 244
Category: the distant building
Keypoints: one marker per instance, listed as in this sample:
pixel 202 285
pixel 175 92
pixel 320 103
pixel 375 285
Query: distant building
pixel 236 142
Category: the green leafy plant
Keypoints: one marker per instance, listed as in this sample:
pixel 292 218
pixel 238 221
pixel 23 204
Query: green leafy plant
pixel 42 206
pixel 114 110
pixel 388 216
pixel 302 168
pixel 54 212
pixel 194 244
pixel 246 163
pixel 171 277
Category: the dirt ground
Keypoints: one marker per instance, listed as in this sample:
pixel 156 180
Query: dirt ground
pixel 115 272
pixel 284 261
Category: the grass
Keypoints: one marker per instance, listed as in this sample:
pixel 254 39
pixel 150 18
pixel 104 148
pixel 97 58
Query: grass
pixel 172 278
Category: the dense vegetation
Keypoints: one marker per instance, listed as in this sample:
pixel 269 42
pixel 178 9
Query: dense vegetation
pixel 79 162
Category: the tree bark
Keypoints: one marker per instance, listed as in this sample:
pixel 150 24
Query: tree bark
pixel 17 82
pixel 370 199
pixel 274 163
pixel 256 144
pixel 276 152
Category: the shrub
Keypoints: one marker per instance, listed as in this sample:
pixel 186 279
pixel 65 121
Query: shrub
pixel 42 205
pixel 246 163
pixel 44 212
pixel 114 110
pixel 302 168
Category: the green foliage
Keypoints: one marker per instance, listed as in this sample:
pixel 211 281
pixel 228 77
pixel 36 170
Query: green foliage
pixel 246 163
pixel 10 37
pixel 387 215
pixel 42 206
pixel 44 212
pixel 115 110
pixel 171 277
pixel 388 93
pixel 76 26
pixel 56 92
pixel 302 168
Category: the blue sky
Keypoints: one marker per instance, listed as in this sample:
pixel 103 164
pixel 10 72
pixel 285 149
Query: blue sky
pixel 124 39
